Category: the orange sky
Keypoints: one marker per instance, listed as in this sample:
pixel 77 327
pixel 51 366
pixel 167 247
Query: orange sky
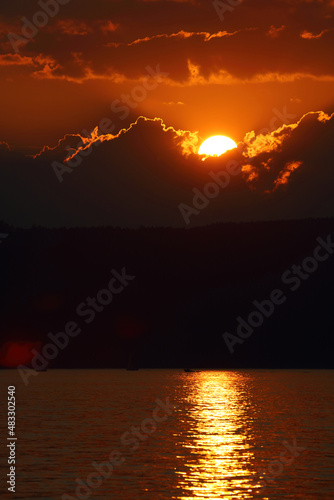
pixel 219 76
pixel 259 72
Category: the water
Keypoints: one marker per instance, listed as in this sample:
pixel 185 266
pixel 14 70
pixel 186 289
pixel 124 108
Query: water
pixel 225 434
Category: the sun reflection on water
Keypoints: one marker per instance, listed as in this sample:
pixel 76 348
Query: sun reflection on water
pixel 216 459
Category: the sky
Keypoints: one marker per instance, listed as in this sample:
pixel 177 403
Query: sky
pixel 105 104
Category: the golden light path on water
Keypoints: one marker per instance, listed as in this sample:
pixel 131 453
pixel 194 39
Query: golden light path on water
pixel 223 438
pixel 219 459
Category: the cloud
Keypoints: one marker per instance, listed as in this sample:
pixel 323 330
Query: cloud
pixel 180 35
pixel 196 77
pixel 275 32
pixel 67 144
pixel 15 60
pixel 74 27
pixel 141 175
pixel 284 175
pixel 289 153
pixel 108 26
pixel 307 35
pixel 173 103
pixel 274 141
pixel 18 60
pixel 187 141
pixel 112 42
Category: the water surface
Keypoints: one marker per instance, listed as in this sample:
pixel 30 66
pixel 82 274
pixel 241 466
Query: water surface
pixel 224 438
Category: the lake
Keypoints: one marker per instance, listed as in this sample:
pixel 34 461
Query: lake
pixel 167 434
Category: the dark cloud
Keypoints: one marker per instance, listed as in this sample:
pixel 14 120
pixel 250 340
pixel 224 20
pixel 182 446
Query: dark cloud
pixel 142 175
pixel 104 39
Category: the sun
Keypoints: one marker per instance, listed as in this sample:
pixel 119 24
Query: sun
pixel 216 145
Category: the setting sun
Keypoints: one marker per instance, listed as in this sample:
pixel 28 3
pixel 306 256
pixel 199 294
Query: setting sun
pixel 216 145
